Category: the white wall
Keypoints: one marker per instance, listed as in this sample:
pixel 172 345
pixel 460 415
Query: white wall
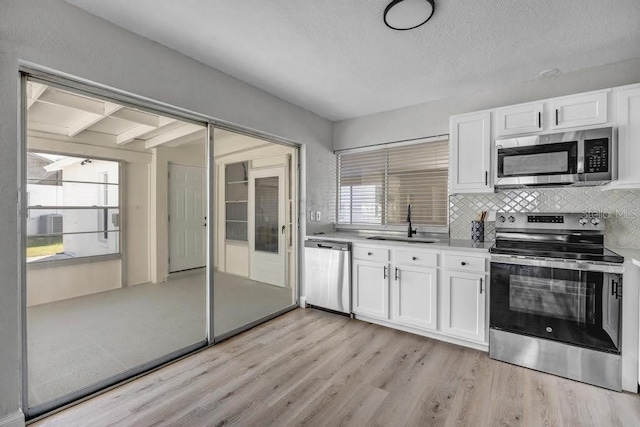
pixel 432 118
pixel 56 283
pixel 55 34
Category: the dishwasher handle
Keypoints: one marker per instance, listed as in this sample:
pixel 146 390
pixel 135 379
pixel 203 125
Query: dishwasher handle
pixel 326 244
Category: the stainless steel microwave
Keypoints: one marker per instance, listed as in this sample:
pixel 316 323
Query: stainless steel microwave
pixel 584 157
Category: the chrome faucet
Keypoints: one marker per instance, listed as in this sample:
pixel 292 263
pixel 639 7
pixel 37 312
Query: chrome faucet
pixel 411 231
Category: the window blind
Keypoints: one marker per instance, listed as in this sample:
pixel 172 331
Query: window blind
pixel 375 186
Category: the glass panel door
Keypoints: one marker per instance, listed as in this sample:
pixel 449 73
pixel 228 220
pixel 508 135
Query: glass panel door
pixel 267 208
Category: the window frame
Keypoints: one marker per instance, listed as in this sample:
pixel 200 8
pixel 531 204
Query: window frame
pixel 119 255
pixel 389 227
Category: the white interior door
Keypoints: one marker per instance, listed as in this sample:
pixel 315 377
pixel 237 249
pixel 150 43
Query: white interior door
pixel 187 218
pixel 267 226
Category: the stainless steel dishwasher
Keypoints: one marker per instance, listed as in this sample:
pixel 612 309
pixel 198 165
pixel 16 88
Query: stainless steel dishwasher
pixel 327 275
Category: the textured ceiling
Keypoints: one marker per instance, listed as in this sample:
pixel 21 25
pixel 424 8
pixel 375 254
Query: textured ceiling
pixel 338 59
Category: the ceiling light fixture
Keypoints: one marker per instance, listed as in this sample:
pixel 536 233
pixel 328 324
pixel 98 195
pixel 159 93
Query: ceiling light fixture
pixel 408 14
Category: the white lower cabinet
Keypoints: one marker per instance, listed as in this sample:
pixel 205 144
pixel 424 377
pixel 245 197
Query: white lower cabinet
pixel 441 293
pixel 463 305
pixel 415 296
pixel 371 289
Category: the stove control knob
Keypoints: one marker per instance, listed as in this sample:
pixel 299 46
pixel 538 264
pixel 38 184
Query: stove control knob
pixel 502 218
pixel 512 219
pixel 595 221
pixel 582 221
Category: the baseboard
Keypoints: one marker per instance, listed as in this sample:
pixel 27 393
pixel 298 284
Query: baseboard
pixel 435 335
pixel 13 420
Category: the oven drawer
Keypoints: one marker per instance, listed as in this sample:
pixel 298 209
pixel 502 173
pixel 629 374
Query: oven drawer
pixel 463 262
pixel 371 254
pixel 422 259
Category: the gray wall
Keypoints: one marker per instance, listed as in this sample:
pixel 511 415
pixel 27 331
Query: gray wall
pixel 54 34
pixel 433 118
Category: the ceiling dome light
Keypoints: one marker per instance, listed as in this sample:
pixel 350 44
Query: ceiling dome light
pixel 408 14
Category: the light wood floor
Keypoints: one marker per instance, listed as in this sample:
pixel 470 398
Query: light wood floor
pixel 315 368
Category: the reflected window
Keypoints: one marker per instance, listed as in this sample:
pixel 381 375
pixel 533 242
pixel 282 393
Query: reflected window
pixel 73 207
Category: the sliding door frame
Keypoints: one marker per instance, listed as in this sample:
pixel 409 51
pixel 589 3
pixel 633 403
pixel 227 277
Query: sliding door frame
pixel 55 78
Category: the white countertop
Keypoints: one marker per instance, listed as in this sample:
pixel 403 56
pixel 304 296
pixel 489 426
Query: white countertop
pixel 442 243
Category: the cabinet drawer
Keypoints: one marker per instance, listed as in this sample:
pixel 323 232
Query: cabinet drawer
pixel 462 262
pixel 416 258
pixel 371 254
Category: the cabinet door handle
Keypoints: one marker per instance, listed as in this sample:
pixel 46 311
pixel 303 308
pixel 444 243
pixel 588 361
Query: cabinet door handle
pixel 557 117
pixel 463 263
pixel 385 271
pixel 486 178
pixel 539 119
pixel 414 258
pixel 396 273
pixel 481 280
pixel 369 253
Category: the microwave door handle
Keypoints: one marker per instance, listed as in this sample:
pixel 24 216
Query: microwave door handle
pixel 580 157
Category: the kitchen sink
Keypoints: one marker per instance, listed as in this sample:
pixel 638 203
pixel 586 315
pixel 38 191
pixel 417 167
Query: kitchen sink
pixel 403 239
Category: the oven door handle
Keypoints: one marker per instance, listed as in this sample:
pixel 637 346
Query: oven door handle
pixel 553 263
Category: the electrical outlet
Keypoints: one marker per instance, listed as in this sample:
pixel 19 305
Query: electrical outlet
pixel 312 216
pixel 318 215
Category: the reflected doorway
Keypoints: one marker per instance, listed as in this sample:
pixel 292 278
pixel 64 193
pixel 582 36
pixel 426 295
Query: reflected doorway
pixel 256 230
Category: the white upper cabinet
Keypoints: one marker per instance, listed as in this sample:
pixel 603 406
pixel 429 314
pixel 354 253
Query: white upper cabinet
pixel 519 119
pixel 628 121
pixel 470 153
pixel 579 110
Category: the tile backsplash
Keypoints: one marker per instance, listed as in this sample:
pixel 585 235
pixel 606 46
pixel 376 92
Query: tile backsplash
pixel 619 208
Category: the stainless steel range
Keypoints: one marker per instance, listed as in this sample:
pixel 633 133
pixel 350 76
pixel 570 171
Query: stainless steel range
pixel 556 297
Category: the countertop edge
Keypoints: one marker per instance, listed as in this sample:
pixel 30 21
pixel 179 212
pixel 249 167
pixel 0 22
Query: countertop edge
pixel 630 255
pixel 444 244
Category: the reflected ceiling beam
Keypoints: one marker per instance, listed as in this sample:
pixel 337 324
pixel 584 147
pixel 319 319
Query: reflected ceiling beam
pixel 76 102
pixel 139 117
pixel 90 119
pixel 34 91
pixel 197 136
pixel 133 133
pixel 138 131
pixel 43 127
pixel 180 132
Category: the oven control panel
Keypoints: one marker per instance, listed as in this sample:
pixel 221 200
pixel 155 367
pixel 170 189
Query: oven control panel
pixel 549 219
pixel 514 221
